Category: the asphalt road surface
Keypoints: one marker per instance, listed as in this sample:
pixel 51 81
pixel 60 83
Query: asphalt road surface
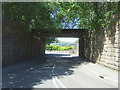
pixel 52 71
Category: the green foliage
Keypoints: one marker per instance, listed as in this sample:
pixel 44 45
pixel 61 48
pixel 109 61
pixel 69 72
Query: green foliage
pixel 62 43
pixel 51 17
pixel 52 47
pixel 50 40
pixel 89 15
pixel 32 14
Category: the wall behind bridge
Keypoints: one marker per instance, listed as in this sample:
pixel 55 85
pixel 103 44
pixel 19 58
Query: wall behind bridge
pixel 103 46
pixel 19 44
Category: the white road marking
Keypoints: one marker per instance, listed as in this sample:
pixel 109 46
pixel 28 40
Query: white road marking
pixel 90 70
pixel 54 82
pixel 55 79
pixel 53 68
pixel 59 82
pixel 98 75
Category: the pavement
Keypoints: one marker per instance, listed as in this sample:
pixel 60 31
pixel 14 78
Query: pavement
pixel 100 71
pixel 59 71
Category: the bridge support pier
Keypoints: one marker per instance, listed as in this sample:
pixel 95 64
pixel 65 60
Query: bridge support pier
pixel 42 48
pixel 81 47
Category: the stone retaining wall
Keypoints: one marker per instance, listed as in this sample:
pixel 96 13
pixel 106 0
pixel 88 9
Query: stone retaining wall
pixel 18 43
pixel 103 47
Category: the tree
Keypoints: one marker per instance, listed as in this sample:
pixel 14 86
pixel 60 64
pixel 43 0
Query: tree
pixel 52 17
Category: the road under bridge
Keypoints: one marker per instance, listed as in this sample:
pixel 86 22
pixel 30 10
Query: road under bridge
pixel 75 33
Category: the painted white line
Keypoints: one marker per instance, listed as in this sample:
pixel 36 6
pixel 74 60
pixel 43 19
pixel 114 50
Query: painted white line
pixel 90 70
pixel 53 68
pixel 59 82
pixel 105 78
pixel 54 82
pixel 55 79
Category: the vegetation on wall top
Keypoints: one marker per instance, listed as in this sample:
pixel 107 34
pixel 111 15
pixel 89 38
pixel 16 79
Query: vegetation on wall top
pixel 52 17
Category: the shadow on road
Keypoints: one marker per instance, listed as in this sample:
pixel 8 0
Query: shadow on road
pixel 30 73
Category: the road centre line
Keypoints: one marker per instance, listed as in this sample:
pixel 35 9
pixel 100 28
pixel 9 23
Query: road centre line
pixel 54 82
pixel 59 82
pixel 53 68
pixel 55 79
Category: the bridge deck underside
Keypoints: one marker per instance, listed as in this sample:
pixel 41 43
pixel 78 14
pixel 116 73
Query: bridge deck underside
pixel 63 33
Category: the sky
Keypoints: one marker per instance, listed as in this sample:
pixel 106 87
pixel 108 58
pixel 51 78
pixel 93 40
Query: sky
pixel 71 25
pixel 67 39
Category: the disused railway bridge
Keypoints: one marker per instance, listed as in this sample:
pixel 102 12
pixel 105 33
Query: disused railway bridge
pixel 19 44
pixel 78 33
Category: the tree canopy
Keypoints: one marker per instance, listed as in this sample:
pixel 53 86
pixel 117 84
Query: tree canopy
pixel 32 14
pixel 87 15
pixel 53 16
pixel 45 15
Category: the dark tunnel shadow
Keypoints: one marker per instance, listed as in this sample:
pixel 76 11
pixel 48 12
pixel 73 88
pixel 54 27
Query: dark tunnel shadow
pixel 30 73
